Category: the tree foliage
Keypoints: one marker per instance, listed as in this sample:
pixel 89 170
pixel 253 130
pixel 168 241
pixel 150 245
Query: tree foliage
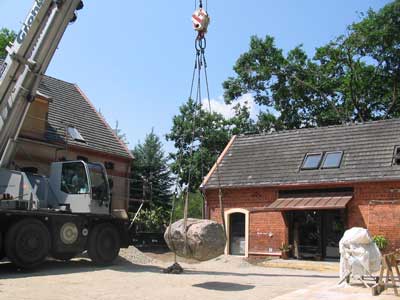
pixel 355 77
pixel 210 132
pixel 151 176
pixel 195 209
pixel 152 219
pixel 6 37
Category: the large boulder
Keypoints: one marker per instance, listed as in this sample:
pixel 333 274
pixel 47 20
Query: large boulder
pixel 206 239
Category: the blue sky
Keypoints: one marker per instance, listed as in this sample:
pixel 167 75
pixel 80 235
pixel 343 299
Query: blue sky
pixel 134 59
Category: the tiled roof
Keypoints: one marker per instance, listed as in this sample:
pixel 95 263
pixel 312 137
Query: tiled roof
pixel 275 159
pixel 70 107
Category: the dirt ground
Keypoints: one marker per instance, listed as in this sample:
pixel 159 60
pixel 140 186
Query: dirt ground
pixel 139 276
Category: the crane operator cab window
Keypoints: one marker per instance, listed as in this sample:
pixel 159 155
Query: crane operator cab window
pixel 74 179
pixel 99 183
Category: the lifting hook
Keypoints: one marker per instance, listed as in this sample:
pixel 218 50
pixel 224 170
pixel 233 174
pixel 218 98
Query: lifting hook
pixel 200 20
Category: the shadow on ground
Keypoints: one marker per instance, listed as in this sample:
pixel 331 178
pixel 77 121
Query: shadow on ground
pixel 54 267
pixel 224 286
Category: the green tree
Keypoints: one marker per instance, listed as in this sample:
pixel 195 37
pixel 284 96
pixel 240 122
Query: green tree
pixel 241 122
pixel 210 132
pixel 6 37
pixel 195 209
pixel 151 176
pixel 377 37
pixel 355 77
pixel 199 136
pixel 278 82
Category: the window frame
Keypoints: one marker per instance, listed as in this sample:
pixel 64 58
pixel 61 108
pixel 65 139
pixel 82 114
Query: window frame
pixel 95 169
pixel 109 165
pixel 78 136
pixel 302 167
pixel 87 182
pixel 396 155
pixel 332 152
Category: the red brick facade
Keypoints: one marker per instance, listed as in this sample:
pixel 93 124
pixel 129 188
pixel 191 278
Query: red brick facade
pixel 375 205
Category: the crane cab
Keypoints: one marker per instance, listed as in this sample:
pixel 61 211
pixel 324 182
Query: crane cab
pixel 80 187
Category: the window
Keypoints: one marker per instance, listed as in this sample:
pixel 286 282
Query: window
pixel 75 135
pixel 32 170
pixel 109 165
pixel 311 161
pixel 74 178
pixel 396 155
pixel 332 160
pixel 99 184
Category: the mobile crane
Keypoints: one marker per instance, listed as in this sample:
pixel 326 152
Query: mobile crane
pixel 69 211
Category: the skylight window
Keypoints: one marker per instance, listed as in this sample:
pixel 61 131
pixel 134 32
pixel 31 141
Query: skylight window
pixel 396 156
pixel 311 161
pixel 75 135
pixel 332 160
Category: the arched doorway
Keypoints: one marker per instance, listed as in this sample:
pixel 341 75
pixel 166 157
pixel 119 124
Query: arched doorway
pixel 237 226
pixel 237 234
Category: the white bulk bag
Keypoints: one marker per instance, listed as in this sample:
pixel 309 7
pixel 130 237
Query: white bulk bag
pixel 358 253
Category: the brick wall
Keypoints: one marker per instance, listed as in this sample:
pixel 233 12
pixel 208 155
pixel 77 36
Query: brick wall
pixel 267 232
pixel 376 206
pixel 268 229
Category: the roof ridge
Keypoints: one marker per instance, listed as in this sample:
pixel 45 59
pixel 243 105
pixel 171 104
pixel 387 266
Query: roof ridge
pixel 51 77
pixel 352 124
pixel 103 120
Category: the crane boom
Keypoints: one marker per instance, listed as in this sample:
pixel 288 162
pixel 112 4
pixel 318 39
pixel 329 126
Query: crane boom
pixel 26 63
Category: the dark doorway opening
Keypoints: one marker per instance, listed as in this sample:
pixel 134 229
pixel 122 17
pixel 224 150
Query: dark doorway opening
pixel 316 234
pixel 237 234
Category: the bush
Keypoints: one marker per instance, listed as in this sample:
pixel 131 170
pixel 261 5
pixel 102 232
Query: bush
pixel 380 241
pixel 285 247
pixel 153 219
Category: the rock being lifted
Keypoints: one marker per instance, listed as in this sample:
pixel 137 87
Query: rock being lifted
pixel 205 239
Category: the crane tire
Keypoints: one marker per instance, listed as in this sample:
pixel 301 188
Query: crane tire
pixel 27 243
pixel 103 244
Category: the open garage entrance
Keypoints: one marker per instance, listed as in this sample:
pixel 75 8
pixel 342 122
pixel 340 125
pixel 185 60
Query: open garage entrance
pixel 316 234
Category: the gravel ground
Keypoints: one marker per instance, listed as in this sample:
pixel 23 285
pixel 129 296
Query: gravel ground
pixel 135 256
pixel 140 276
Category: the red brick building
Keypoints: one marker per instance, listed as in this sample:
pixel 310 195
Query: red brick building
pixel 305 187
